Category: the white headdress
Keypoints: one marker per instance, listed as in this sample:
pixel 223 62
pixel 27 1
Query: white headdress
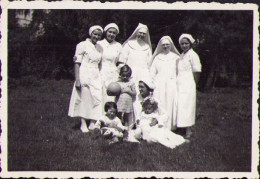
pixel 159 46
pixel 94 27
pixel 188 36
pixel 133 36
pixel 111 25
pixel 147 79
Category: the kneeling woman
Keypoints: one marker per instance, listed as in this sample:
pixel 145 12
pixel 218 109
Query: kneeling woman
pixel 86 98
pixel 146 88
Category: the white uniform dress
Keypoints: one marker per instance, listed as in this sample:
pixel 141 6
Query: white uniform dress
pixel 187 64
pixel 137 58
pixel 87 102
pixel 109 71
pixel 163 71
pixel 158 134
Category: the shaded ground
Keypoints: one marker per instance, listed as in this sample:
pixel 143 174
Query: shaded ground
pixel 41 136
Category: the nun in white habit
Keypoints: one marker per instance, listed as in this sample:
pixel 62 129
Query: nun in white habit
pixel 137 52
pixel 164 72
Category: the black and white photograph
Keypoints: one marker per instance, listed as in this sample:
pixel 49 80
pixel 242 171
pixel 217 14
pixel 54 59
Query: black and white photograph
pixel 129 89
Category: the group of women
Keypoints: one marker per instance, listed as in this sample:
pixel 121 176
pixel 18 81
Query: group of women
pixel 167 75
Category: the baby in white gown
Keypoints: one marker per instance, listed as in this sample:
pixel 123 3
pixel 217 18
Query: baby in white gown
pixel 153 130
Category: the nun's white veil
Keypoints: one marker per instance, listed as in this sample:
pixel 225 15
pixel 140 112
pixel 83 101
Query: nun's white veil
pixel 134 34
pixel 159 49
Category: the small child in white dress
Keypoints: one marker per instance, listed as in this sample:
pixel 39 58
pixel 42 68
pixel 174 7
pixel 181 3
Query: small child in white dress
pixel 152 129
pixel 111 126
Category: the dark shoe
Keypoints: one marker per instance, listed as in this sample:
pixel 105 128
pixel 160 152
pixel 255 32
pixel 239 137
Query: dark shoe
pixel 188 134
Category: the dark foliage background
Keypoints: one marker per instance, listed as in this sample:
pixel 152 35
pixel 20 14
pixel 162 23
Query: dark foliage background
pixel 40 136
pixel 44 48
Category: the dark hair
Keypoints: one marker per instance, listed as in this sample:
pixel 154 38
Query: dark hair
pixel 191 44
pixel 150 102
pixel 148 88
pixel 125 68
pixel 110 105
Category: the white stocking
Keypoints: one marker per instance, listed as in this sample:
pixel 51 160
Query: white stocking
pixel 84 127
pixel 91 125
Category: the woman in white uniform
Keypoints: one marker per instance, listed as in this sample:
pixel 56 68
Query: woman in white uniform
pixel 110 50
pixel 164 72
pixel 137 52
pixel 86 98
pixel 188 72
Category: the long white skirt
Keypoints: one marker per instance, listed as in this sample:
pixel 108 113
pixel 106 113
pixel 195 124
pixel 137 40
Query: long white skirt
pixel 186 100
pixel 82 105
pixel 166 91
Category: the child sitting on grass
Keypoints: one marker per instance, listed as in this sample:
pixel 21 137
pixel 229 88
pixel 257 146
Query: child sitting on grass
pixel 152 129
pixel 111 126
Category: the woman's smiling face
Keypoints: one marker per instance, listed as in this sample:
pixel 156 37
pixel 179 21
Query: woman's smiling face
pixel 185 44
pixel 166 47
pixel 111 34
pixel 143 90
pixel 96 36
pixel 165 43
pixel 141 34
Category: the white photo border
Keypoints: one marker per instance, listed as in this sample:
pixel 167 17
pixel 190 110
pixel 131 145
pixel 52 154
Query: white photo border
pixel 5 5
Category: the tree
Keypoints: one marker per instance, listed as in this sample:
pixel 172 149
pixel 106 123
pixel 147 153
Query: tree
pixel 223 38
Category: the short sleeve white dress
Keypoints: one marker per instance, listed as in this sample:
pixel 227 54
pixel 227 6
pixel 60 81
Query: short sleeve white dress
pixel 87 102
pixel 187 64
pixel 109 71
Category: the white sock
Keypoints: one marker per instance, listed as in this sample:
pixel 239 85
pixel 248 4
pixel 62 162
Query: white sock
pixel 91 125
pixel 84 127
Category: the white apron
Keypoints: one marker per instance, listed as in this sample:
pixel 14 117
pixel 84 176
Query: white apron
pixel 87 102
pixel 186 110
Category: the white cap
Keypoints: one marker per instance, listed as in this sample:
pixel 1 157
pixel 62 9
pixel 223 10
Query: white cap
pixel 148 81
pixel 188 36
pixel 111 25
pixel 94 27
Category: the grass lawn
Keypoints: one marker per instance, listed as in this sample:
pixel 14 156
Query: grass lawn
pixel 41 135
